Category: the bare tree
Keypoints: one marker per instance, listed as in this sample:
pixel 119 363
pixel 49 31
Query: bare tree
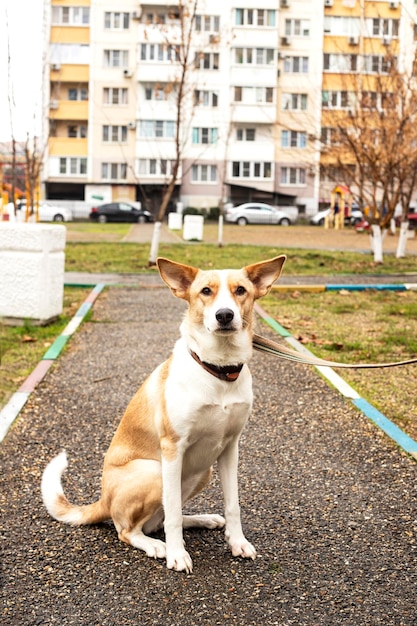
pixel 374 146
pixel 184 59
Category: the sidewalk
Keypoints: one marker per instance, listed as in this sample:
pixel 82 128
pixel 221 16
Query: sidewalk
pixel 327 499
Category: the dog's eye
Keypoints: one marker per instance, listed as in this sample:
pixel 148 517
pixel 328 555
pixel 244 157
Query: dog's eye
pixel 240 291
pixel 206 291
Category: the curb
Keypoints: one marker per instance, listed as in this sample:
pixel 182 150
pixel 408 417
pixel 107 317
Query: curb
pixel 18 400
pixel 358 287
pixel 381 421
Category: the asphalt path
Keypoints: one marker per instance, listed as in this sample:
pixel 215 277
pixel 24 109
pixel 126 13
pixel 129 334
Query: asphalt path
pixel 327 499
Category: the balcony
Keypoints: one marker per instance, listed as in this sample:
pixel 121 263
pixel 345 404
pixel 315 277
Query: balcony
pixel 66 73
pixel 68 110
pixel 66 146
pixel 254 113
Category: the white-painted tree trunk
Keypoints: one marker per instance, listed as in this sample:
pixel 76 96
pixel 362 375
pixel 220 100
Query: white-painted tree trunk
pixel 155 243
pixel 402 240
pixel 377 239
pixel 220 232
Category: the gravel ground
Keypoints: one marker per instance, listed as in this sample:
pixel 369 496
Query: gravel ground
pixel 327 499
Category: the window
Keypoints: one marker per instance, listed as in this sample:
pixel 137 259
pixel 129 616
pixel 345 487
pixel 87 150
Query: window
pixel 338 99
pixel 116 58
pixel 204 135
pixel 75 93
pixel 158 91
pixel 72 166
pixel 157 128
pixel 254 95
pixel 293 176
pixel 293 139
pixel 114 134
pixel 294 101
pixel 340 62
pixel 207 60
pixel 328 136
pixel 158 52
pixel 115 95
pixel 296 65
pixel 297 28
pixel 155 167
pixel 254 17
pixel 77 131
pixel 114 171
pixel 251 169
pixel 116 21
pixel 375 64
pixel 245 134
pixel 154 18
pixel 204 173
pixel 77 53
pixel 382 27
pixel 77 16
pixel 342 26
pixel 254 56
pixel 207 23
pixel 206 98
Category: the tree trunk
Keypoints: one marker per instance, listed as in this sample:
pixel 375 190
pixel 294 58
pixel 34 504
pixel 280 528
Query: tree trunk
pixel 377 238
pixel 220 231
pixel 155 244
pixel 402 240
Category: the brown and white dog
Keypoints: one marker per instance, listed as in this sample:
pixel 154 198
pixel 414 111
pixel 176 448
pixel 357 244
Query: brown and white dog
pixel 188 414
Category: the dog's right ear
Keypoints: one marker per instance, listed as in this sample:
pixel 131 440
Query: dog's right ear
pixel 177 276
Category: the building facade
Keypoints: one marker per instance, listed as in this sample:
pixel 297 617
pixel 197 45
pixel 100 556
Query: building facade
pixel 264 83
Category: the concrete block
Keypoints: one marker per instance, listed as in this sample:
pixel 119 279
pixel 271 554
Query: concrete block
pixel 32 264
pixel 174 221
pixel 193 227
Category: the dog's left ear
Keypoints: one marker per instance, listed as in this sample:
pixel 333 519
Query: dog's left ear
pixel 177 276
pixel 264 274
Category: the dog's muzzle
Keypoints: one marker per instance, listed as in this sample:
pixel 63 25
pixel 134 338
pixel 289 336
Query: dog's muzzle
pixel 225 318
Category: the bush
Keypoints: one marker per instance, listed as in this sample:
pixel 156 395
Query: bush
pixel 213 213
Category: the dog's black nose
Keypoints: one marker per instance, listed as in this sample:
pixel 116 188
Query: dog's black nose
pixel 224 316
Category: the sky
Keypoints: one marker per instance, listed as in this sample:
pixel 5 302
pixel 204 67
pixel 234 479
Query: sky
pixel 21 22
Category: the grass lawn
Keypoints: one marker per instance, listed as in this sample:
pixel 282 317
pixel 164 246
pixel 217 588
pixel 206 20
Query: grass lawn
pixel 368 326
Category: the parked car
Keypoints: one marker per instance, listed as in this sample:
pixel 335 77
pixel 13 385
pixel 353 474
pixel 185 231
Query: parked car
pixel 412 220
pixel 120 212
pixel 256 213
pixel 47 212
pixel 355 217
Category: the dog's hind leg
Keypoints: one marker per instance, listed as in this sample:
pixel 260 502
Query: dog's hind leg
pixel 136 490
pixel 154 548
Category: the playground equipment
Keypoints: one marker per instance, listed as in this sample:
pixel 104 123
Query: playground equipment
pixel 340 207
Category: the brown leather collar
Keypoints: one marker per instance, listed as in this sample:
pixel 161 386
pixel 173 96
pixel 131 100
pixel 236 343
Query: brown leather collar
pixel 229 373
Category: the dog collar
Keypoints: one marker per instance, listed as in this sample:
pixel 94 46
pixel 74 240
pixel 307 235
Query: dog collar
pixel 226 372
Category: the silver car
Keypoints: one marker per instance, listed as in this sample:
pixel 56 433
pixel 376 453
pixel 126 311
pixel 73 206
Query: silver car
pixel 256 213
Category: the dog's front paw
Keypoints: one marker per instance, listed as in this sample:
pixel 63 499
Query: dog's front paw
pixel 243 548
pixel 180 561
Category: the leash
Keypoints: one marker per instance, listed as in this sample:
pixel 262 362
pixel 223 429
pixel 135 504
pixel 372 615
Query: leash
pixel 267 345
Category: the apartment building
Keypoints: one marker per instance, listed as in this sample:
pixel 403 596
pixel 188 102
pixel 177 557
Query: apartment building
pixel 358 39
pixel 264 84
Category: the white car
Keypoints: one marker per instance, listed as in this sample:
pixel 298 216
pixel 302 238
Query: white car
pixel 355 217
pixel 256 213
pixel 47 213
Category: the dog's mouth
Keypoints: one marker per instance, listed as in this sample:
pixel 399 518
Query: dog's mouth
pixel 225 331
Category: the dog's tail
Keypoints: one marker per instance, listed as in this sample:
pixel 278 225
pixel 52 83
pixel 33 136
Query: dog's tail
pixel 57 504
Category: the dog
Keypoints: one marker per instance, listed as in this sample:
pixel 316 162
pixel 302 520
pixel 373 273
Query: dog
pixel 188 414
